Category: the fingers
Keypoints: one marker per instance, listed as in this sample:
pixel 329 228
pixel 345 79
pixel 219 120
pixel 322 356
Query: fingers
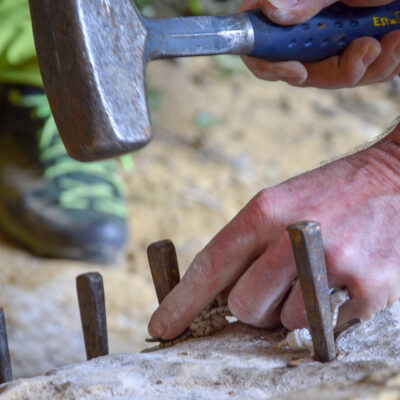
pixel 292 72
pixel 346 70
pixel 367 297
pixel 294 315
pixel 257 296
pixel 363 308
pixel 365 60
pixel 290 12
pixel 256 299
pixel 287 12
pixel 220 264
pixel 385 65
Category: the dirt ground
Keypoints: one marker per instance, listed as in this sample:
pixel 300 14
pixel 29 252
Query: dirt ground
pixel 220 136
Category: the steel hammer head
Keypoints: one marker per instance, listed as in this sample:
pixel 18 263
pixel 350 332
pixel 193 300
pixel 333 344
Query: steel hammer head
pixel 92 58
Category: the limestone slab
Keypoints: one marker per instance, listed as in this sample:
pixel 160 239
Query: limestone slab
pixel 238 363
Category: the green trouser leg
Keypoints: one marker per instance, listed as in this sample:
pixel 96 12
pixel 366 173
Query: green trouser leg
pixel 18 63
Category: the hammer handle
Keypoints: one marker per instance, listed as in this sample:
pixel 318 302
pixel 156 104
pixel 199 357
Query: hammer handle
pixel 325 35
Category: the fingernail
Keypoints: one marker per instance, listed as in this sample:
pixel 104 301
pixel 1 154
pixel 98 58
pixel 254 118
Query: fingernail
pixel 291 74
pixel 283 4
pixel 297 80
pixel 157 327
pixel 371 54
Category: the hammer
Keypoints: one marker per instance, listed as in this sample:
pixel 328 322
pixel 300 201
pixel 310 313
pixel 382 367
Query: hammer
pixel 93 55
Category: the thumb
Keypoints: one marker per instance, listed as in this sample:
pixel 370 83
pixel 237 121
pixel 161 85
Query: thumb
pixel 290 12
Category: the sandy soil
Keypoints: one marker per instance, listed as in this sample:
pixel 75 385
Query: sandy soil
pixel 221 136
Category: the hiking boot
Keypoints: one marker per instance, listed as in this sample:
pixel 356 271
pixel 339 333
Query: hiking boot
pixel 49 202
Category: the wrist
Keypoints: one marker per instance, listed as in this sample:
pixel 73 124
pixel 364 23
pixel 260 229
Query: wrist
pixel 383 159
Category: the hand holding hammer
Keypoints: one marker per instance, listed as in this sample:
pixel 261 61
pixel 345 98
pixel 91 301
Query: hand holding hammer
pixel 93 55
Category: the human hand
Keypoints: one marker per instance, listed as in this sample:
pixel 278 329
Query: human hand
pixel 357 202
pixel 364 61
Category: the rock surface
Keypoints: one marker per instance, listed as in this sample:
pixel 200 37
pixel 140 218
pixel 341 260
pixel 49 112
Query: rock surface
pixel 238 363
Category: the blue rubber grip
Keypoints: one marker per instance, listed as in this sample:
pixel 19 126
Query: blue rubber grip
pixel 323 36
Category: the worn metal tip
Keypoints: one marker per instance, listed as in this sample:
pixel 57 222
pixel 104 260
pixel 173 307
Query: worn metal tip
pixel 308 250
pixel 164 267
pixel 91 277
pixel 93 313
pixel 304 226
pixel 161 245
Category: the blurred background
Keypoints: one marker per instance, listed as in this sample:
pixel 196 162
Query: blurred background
pixel 221 135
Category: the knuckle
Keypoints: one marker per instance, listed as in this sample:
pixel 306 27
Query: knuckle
pixel 261 210
pixel 203 270
pixel 340 256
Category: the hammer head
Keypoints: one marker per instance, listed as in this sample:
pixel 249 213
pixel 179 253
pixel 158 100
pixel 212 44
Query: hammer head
pixel 92 58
